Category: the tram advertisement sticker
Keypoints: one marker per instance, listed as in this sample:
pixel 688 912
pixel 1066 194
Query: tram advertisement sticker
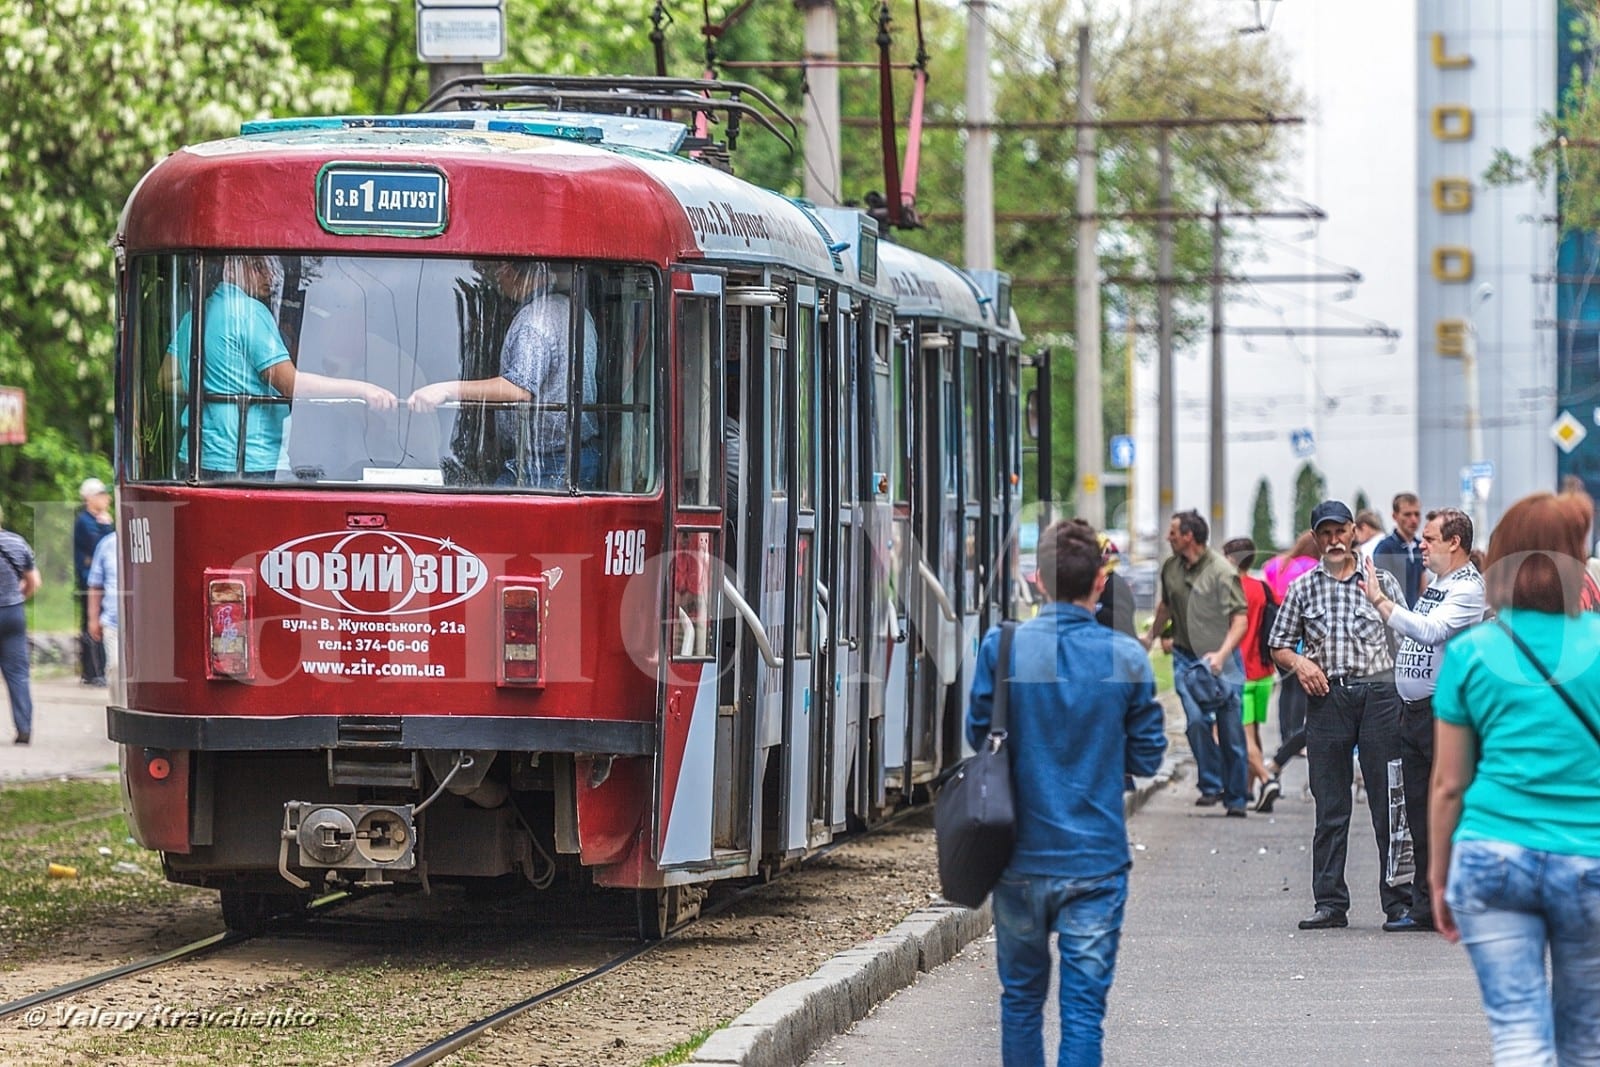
pixel 372 198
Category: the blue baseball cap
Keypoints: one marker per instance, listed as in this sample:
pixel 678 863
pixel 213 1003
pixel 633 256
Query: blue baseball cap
pixel 1331 511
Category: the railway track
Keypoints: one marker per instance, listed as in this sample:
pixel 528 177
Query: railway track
pixel 193 950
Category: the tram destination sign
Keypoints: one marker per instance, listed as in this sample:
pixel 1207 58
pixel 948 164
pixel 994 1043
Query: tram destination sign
pixel 369 198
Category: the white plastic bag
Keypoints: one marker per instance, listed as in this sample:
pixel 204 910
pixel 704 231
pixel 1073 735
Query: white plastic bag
pixel 1402 865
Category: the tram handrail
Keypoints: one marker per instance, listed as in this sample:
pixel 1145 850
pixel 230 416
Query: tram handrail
pixel 931 580
pixel 748 614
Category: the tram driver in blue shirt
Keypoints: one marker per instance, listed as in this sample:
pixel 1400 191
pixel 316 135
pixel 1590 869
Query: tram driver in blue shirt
pixel 244 356
pixel 534 370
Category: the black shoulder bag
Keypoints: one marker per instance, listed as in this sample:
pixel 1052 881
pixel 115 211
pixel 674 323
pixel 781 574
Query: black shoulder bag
pixel 1548 677
pixel 974 820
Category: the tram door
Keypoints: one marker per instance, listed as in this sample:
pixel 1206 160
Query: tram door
pixel 842 605
pixel 698 773
pixel 940 530
pixel 892 665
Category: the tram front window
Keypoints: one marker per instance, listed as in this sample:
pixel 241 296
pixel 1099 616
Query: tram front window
pixel 335 371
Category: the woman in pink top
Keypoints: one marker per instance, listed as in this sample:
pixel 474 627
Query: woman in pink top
pixel 1287 566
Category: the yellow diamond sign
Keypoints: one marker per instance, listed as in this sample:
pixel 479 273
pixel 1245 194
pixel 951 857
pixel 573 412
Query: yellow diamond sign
pixel 1567 432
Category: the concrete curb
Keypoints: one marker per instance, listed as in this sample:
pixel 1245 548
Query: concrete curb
pixel 788 1024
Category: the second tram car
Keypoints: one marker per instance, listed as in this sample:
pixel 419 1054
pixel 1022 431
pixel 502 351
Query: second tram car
pixel 503 492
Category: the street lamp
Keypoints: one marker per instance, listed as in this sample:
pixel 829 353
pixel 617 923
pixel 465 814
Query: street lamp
pixel 1469 376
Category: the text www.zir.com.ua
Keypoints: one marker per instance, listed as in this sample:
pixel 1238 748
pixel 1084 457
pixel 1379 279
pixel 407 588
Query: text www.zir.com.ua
pixel 366 668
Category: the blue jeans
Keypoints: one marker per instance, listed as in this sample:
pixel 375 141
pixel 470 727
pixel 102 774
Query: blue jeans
pixel 1086 916
pixel 548 470
pixel 1220 768
pixel 1512 904
pixel 14 665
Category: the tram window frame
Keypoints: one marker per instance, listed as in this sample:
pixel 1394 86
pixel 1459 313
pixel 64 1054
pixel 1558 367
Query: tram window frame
pixel 695 570
pixel 625 302
pixel 806 410
pixel 883 409
pixel 950 401
pixel 900 372
pixel 970 446
pixel 154 427
pixel 778 398
pixel 805 572
pixel 700 418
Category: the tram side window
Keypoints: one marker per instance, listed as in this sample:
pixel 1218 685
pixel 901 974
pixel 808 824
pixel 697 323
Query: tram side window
pixel 970 444
pixel 778 383
pixel 805 432
pixel 622 303
pixel 697 403
pixel 160 296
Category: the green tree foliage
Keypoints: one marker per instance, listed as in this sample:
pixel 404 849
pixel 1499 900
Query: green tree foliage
pixel 1361 502
pixel 1310 489
pixel 1569 146
pixel 96 92
pixel 1261 520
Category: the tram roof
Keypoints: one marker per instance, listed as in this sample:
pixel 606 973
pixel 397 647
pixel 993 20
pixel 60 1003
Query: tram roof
pixel 609 189
pixel 932 288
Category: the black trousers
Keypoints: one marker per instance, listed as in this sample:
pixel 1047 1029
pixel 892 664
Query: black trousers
pixel 1291 713
pixel 91 653
pixel 1364 714
pixel 1416 755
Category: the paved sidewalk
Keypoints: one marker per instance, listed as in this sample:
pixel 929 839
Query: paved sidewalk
pixel 69 733
pixel 1212 970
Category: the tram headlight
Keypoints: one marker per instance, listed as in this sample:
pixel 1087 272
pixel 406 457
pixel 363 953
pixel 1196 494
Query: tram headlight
pixel 228 631
pixel 522 603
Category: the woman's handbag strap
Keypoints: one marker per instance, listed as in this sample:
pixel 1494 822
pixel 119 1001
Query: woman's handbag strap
pixel 1538 664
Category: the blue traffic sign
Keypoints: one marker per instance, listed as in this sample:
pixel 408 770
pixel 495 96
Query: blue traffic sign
pixel 1303 443
pixel 1122 451
pixel 372 198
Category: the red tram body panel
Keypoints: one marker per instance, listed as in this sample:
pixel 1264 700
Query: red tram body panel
pixel 519 497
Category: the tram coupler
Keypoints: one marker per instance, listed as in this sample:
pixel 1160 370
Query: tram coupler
pixel 347 837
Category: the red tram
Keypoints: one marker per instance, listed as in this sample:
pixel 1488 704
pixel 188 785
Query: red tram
pixel 694 594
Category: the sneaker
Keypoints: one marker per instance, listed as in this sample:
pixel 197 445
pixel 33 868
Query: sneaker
pixel 1208 800
pixel 1269 795
pixel 1324 919
pixel 1405 924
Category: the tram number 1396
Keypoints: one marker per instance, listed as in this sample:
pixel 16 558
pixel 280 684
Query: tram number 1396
pixel 624 552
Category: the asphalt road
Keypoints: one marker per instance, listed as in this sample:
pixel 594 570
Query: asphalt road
pixel 1212 970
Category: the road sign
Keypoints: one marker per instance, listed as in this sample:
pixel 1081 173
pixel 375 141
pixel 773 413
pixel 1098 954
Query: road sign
pixel 1122 451
pixel 13 416
pixel 1303 443
pixel 1483 469
pixel 461 34
pixel 1567 432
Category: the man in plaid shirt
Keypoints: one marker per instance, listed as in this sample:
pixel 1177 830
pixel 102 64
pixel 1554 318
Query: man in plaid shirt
pixel 1347 669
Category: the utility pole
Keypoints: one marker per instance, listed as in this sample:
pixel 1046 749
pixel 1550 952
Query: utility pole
pixel 1167 428
pixel 1090 437
pixel 1219 441
pixel 980 142
pixel 824 173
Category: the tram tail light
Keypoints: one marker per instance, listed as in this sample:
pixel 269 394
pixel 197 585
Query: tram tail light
pixel 522 607
pixel 228 632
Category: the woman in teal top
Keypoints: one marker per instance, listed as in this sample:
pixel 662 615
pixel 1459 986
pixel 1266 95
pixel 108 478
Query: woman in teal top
pixel 245 355
pixel 1515 796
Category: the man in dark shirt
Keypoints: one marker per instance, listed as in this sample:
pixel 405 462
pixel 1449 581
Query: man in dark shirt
pixel 1201 594
pixel 1347 669
pixel 1082 713
pixel 1401 552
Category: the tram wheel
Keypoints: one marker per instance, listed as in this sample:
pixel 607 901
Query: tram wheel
pixel 249 913
pixel 661 911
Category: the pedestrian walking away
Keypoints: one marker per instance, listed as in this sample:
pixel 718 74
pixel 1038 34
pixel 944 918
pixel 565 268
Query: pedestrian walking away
pixel 19 580
pixel 1082 713
pixel 1347 670
pixel 1515 869
pixel 89 527
pixel 1201 595
pixel 1452 602
pixel 1259 670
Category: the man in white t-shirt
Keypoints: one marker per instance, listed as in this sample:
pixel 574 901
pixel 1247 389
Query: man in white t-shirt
pixel 102 586
pixel 1452 601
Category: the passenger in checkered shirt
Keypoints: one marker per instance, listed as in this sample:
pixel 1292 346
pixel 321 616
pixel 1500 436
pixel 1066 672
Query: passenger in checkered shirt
pixel 1347 669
